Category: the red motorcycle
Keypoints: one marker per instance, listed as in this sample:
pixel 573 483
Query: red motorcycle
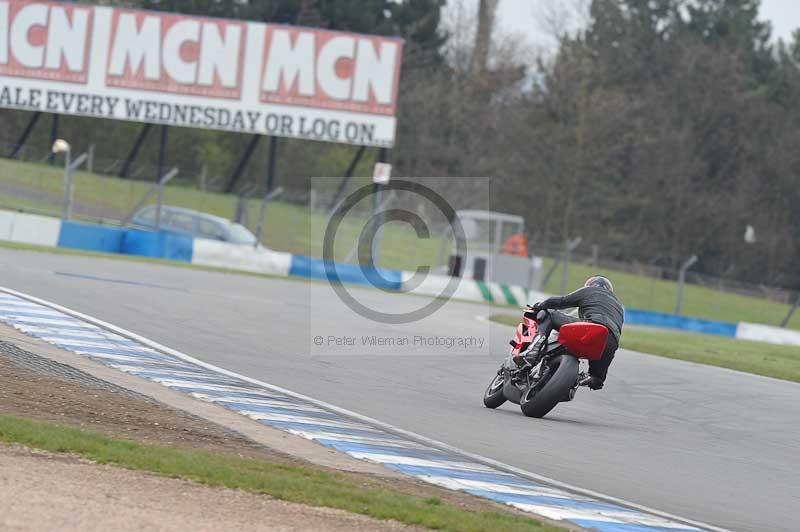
pixel 540 371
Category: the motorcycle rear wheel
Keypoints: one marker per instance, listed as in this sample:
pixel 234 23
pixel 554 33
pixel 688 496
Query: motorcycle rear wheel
pixel 493 397
pixel 538 402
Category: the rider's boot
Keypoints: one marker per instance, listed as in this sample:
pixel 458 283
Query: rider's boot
pixel 592 382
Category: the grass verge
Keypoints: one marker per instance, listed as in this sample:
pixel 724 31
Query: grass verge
pixel 288 483
pixel 759 358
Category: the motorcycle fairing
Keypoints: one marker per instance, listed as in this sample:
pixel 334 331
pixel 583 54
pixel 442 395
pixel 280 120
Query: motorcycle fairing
pixel 524 335
pixel 584 339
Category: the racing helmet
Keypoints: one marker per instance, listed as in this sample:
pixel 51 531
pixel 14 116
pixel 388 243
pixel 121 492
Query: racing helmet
pixel 600 282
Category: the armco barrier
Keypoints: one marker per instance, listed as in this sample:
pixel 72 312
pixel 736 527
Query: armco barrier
pixel 245 258
pixel 158 244
pixel 6 223
pixel 671 321
pixel 31 229
pixel 766 333
pixel 469 290
pixel 155 244
pixel 312 268
pixel 89 237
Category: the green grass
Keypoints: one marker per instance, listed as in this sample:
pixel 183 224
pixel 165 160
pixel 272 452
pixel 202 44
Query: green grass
pixel 294 228
pixel 655 294
pixel 288 227
pixel 759 358
pixel 289 483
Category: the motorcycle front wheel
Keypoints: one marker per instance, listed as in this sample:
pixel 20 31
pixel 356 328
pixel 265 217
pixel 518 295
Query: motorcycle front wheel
pixel 542 397
pixel 493 397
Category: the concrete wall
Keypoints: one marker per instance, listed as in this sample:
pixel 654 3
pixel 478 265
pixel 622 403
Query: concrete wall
pixel 245 258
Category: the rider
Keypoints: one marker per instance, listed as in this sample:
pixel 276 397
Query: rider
pixel 596 303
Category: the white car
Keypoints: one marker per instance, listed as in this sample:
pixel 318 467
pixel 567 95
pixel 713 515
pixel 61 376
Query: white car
pixel 195 224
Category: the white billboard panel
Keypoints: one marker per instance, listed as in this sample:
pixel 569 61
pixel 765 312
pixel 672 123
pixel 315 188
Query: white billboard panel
pixel 179 70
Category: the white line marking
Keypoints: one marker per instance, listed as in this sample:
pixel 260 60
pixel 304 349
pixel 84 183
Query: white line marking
pixel 365 419
pixel 17 303
pixel 421 462
pixel 137 363
pixel 288 418
pixel 11 312
pixel 461 484
pixel 365 440
pixel 177 374
pixel 54 322
pixel 130 364
pixel 262 402
pixel 99 334
pixel 110 344
pixel 219 388
pixel 562 513
pixel 89 351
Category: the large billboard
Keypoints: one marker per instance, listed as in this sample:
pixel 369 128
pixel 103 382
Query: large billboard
pixel 179 70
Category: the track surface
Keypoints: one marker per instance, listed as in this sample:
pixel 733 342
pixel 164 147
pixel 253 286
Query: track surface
pixel 699 442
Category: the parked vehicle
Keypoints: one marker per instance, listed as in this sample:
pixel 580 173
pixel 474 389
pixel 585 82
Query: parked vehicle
pixel 541 372
pixel 193 223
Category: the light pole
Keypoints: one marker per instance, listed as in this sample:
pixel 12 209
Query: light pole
pixel 682 280
pixel 62 146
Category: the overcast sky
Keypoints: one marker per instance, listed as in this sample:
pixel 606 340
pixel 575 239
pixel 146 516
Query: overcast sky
pixel 525 16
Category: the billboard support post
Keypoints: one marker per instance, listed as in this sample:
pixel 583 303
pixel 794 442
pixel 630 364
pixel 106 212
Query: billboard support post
pixel 53 137
pixel 137 145
pixel 162 148
pixel 23 138
pixel 383 157
pixel 273 148
pixel 237 173
pixel 346 178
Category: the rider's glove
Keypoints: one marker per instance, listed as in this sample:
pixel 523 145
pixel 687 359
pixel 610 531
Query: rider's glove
pixel 535 308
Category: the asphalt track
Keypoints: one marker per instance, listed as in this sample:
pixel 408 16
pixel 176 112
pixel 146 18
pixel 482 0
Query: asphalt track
pixel 699 442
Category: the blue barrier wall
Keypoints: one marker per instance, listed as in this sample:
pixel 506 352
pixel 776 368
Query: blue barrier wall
pixel 347 273
pixel 160 245
pixel 156 244
pixel 671 321
pixel 89 237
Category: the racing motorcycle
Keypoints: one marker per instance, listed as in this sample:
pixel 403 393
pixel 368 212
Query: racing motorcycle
pixel 543 369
